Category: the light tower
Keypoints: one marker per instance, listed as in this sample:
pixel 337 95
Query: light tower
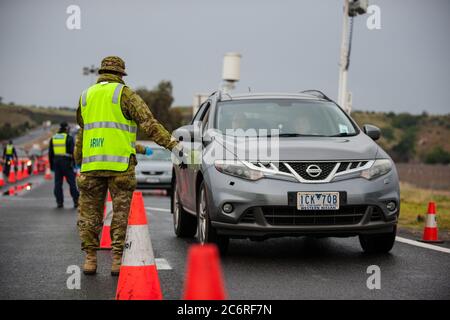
pixel 352 8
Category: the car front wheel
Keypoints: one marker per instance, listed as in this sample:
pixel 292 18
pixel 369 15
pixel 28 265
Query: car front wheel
pixel 378 243
pixel 205 231
pixel 184 224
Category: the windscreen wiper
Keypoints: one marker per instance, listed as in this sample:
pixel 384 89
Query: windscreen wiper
pixel 297 135
pixel 343 134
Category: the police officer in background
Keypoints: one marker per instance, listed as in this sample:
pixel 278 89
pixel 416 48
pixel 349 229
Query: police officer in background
pixel 60 155
pixel 9 153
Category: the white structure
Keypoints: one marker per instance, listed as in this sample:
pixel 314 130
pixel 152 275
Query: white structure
pixel 351 9
pixel 231 72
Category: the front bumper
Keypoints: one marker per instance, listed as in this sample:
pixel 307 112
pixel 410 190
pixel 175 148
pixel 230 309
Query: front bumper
pixel 154 181
pixel 262 208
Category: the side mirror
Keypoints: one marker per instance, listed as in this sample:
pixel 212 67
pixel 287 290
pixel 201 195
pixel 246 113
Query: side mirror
pixel 372 131
pixel 184 133
pixel 188 133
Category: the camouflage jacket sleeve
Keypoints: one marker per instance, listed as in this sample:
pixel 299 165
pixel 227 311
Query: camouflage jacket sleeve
pixel 133 107
pixel 77 154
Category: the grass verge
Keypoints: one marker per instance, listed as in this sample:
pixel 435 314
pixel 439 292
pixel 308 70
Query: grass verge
pixel 414 205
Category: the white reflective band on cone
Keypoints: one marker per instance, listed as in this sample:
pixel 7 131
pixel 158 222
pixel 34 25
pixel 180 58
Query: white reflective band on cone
pixel 109 214
pixel 431 221
pixel 138 250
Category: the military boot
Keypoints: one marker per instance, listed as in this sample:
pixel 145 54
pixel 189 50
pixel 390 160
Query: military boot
pixel 90 263
pixel 116 261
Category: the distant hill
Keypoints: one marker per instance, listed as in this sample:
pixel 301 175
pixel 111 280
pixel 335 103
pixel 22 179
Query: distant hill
pixel 411 138
pixel 15 120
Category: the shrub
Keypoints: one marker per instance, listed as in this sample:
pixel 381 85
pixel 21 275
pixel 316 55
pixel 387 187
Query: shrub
pixel 438 156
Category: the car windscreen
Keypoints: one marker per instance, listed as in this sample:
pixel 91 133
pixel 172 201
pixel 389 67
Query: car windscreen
pixel 290 117
pixel 159 154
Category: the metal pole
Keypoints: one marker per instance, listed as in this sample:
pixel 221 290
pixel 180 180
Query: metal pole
pixel 342 91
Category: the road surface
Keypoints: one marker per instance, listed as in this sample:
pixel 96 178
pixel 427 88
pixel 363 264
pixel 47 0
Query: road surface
pixel 38 243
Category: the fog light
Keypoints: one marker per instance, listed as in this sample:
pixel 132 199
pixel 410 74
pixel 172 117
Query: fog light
pixel 391 206
pixel 227 208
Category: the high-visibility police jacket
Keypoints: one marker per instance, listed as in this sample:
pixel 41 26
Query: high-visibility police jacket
pixel 59 142
pixel 9 149
pixel 109 138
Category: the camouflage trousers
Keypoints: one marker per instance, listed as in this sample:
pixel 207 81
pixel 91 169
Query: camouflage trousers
pixel 93 191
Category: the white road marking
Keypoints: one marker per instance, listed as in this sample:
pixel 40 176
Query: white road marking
pixel 422 244
pixel 158 209
pixel 162 264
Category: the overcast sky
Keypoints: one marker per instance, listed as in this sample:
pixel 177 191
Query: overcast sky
pixel 285 46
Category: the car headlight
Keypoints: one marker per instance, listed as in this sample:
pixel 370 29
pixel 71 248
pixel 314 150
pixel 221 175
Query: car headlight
pixel 238 169
pixel 379 168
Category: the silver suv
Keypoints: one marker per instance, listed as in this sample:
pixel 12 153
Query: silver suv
pixel 323 175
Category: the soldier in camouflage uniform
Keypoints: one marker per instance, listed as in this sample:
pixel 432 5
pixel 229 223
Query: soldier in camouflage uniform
pixel 93 185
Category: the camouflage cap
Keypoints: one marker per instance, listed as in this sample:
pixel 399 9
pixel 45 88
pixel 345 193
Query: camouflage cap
pixel 113 63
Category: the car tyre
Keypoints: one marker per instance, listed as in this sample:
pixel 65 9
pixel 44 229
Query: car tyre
pixel 378 243
pixel 184 223
pixel 206 233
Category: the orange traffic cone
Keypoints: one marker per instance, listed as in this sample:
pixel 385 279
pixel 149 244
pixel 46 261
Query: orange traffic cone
pixel 430 232
pixel 2 180
pixel 204 276
pixel 25 171
pixel 35 167
pixel 19 171
pixel 138 278
pixel 11 191
pixel 12 174
pixel 48 174
pixel 105 241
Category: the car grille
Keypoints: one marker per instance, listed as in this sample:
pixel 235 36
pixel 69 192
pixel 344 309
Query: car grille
pixel 377 214
pixel 287 215
pixel 344 166
pixel 152 173
pixel 248 217
pixel 301 168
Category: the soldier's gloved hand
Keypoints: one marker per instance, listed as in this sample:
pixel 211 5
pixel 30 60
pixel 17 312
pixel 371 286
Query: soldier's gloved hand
pixel 148 151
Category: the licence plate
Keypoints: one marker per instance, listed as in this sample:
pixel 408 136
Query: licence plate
pixel 317 200
pixel 152 180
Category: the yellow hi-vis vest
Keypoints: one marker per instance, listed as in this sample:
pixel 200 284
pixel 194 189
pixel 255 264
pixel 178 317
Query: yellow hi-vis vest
pixel 9 149
pixel 59 144
pixel 108 137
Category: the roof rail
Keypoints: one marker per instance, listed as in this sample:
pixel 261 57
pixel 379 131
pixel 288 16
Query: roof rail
pixel 219 94
pixel 316 93
pixel 319 94
pixel 213 93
